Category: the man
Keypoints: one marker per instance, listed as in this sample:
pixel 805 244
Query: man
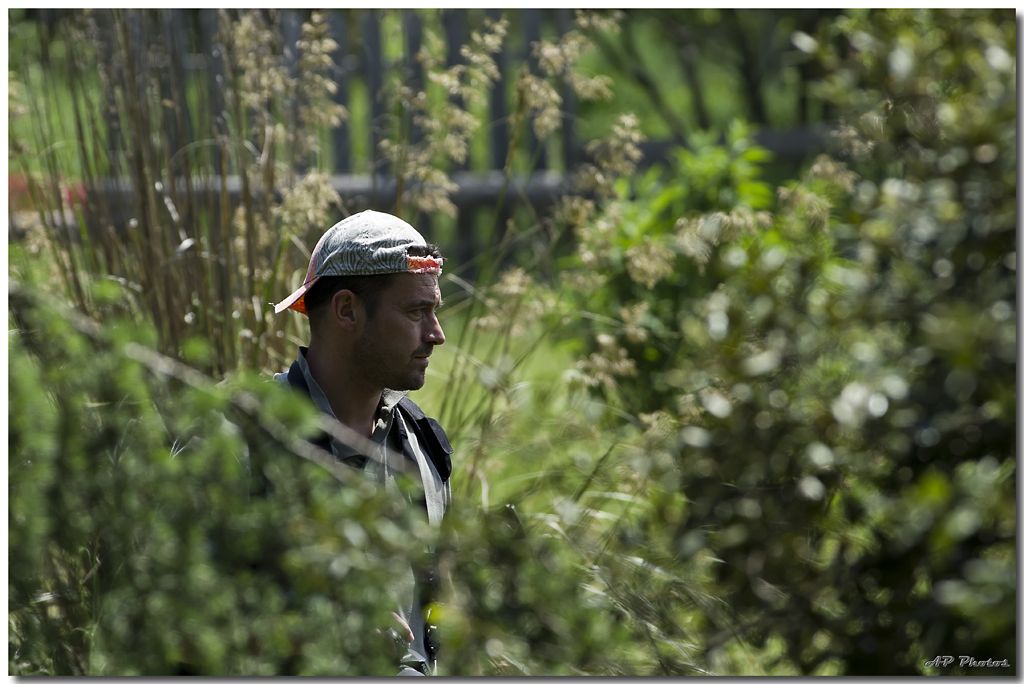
pixel 371 295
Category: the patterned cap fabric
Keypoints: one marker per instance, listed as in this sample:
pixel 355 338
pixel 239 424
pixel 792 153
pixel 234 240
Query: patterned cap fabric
pixel 367 243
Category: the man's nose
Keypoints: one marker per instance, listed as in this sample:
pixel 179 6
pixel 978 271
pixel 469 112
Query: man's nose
pixel 435 335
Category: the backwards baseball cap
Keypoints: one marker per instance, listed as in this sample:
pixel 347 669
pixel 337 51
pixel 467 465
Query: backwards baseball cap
pixel 367 243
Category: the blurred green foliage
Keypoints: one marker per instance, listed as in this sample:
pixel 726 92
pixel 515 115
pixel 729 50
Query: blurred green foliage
pixel 149 534
pixel 832 385
pixel 786 445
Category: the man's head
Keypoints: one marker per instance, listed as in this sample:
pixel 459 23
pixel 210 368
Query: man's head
pixel 369 243
pixel 371 294
pixel 367 287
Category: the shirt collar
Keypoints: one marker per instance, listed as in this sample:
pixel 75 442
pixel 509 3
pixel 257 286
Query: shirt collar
pixel 385 410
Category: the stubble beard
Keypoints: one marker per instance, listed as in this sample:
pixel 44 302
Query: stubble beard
pixel 379 372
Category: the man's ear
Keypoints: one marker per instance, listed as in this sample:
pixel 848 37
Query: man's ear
pixel 347 309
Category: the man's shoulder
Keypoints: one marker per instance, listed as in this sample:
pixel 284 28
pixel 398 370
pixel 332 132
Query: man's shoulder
pixel 411 410
pixel 431 431
pixel 293 377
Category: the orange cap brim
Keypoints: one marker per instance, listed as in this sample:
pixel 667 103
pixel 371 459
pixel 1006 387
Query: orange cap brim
pixel 296 301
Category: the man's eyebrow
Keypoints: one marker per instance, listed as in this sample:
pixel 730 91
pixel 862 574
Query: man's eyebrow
pixel 419 303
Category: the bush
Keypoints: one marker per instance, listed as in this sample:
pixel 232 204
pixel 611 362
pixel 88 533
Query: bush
pixel 795 454
pixel 827 391
pixel 160 525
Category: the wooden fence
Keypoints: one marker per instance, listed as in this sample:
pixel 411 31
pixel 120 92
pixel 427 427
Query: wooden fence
pixel 370 43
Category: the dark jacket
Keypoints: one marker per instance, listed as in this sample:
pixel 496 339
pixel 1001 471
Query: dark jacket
pixel 431 436
pixel 428 431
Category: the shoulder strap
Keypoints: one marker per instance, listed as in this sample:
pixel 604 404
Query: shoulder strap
pixel 432 435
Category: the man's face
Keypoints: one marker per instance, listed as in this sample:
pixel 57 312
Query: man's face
pixel 401 333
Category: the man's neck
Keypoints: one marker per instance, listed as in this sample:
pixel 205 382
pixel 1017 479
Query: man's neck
pixel 352 401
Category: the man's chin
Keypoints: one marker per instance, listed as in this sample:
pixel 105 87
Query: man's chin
pixel 410 383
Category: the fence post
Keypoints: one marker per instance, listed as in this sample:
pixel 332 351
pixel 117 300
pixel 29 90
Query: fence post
pixel 564 24
pixel 412 29
pixel 290 24
pixel 532 21
pixel 370 22
pixel 342 157
pixel 498 105
pixel 456 34
pixel 412 32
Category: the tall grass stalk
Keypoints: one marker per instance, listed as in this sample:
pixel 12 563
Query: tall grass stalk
pixel 146 176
